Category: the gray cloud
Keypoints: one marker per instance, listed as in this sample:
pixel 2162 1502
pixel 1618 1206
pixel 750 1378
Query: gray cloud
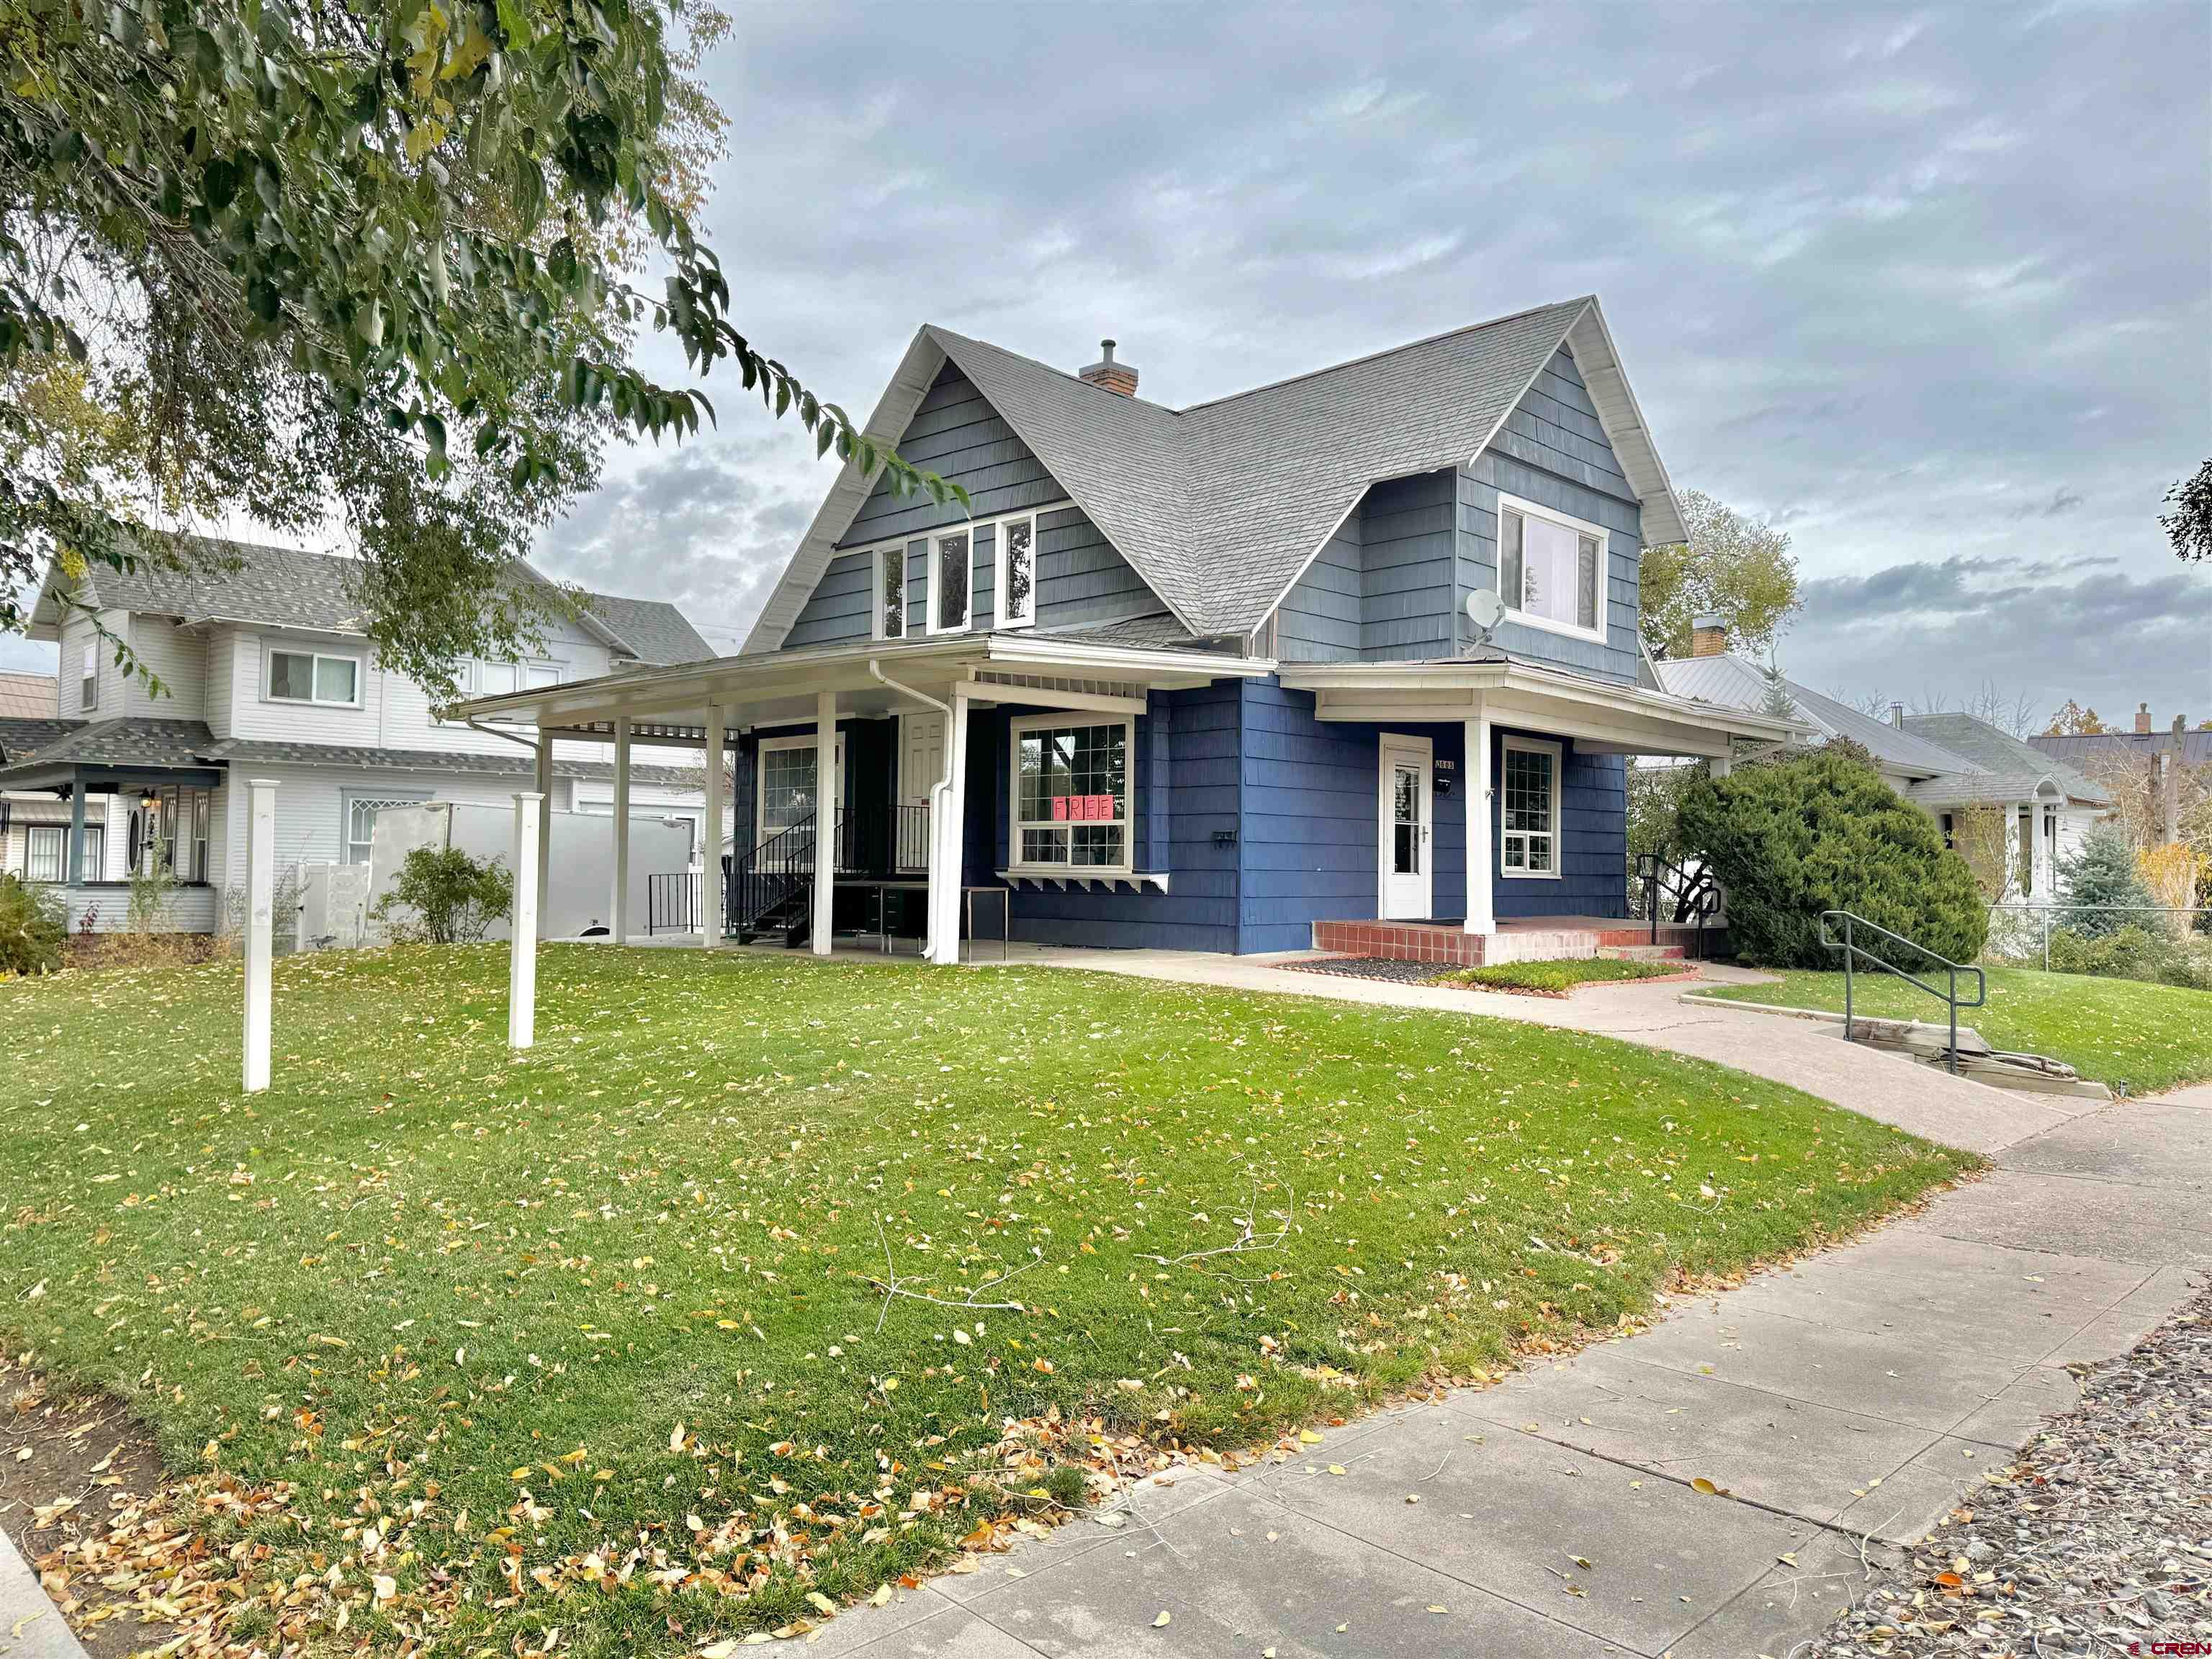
pixel 2061 501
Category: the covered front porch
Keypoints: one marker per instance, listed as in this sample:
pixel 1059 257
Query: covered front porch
pixel 891 790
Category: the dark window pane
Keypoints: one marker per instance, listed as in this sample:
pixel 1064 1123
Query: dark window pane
pixel 291 675
pixel 953 581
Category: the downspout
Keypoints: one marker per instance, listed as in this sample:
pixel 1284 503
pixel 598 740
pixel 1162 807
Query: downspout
pixel 938 791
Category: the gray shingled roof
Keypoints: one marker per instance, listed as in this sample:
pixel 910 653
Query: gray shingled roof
pixel 1729 680
pixel 2010 769
pixel 1220 506
pixel 265 752
pixel 2088 750
pixel 21 736
pixel 290 587
pixel 128 740
pixel 1158 632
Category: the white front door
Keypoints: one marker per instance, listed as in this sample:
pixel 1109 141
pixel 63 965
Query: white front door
pixel 920 768
pixel 1406 797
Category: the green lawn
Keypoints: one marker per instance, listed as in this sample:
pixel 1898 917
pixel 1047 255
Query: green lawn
pixel 2140 1038
pixel 588 1337
pixel 1559 977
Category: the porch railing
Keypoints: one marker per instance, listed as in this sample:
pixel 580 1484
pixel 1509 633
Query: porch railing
pixel 770 886
pixel 1841 930
pixel 1679 896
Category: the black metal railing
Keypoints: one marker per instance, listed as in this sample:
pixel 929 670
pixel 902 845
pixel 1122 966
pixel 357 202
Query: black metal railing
pixel 1679 896
pixel 883 841
pixel 671 902
pixel 1854 925
pixel 773 884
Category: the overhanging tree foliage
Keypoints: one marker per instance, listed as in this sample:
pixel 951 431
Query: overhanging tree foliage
pixel 2188 525
pixel 287 260
pixel 1737 567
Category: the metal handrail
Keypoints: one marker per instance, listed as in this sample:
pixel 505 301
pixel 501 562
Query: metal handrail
pixel 1851 949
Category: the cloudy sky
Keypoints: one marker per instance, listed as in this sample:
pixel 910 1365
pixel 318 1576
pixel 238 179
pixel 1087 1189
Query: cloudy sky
pixel 1932 288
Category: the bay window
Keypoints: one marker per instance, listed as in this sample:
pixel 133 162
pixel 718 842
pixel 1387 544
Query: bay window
pixel 1551 569
pixel 1071 794
pixel 1529 808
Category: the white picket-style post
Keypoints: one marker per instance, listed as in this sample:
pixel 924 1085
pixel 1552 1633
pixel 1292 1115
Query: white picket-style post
pixel 522 956
pixel 260 906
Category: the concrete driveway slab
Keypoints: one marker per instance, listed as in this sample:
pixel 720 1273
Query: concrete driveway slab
pixel 1766 1447
pixel 1245 1573
pixel 1510 1513
pixel 2079 1216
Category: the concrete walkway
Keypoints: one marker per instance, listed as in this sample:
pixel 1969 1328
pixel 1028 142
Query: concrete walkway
pixel 1850 1400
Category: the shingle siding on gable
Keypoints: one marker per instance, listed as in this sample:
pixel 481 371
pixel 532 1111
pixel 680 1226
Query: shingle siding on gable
pixel 955 434
pixel 1381 590
pixel 1319 618
pixel 1551 451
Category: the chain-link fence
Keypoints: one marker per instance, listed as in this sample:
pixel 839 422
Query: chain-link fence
pixel 2166 942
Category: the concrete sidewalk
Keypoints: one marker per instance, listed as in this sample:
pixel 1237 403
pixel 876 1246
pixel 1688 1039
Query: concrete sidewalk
pixel 1851 1400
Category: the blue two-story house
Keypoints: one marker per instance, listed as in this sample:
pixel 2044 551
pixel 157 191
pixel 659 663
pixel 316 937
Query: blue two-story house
pixel 1246 675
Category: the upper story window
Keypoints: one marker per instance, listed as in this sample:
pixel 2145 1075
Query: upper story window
pixel 1551 569
pixel 949 554
pixel 1016 570
pixel 490 679
pixel 88 687
pixel 890 593
pixel 311 676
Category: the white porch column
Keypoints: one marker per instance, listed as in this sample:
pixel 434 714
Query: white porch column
pixel 543 785
pixel 522 953
pixel 1717 766
pixel 711 910
pixel 1481 861
pixel 948 835
pixel 260 905
pixel 618 908
pixel 828 794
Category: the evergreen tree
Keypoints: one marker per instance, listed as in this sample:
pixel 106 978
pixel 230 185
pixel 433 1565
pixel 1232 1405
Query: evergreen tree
pixel 2102 872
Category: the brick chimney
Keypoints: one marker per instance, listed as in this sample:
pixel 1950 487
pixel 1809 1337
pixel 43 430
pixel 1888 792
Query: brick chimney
pixel 1709 636
pixel 1113 376
pixel 2142 719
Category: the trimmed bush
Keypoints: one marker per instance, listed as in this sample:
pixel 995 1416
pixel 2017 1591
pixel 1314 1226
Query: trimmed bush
pixel 1792 837
pixel 32 928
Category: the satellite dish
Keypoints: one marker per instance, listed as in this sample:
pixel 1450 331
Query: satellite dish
pixel 1485 610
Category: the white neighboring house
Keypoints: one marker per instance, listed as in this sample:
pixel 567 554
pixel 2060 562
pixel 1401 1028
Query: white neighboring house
pixel 266 672
pixel 1942 763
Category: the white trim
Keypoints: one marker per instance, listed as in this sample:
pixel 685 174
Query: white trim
pixel 966 530
pixel 803 740
pixel 1506 745
pixel 1385 809
pixel 1581 527
pixel 315 660
pixel 999 616
pixel 1134 882
pixel 1126 869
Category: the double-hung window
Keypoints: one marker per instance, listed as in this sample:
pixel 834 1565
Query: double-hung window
pixel 950 551
pixel 1528 815
pixel 43 849
pixel 1071 788
pixel 890 592
pixel 1551 569
pixel 311 676
pixel 1016 570
pixel 88 697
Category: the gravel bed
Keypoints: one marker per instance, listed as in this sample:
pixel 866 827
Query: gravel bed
pixel 2099 1541
pixel 1405 973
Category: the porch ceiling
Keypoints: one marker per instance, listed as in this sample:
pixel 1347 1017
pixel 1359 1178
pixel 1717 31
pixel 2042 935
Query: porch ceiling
pixel 1601 718
pixel 869 678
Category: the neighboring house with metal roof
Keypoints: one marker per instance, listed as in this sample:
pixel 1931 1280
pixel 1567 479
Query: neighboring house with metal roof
pixel 264 667
pixel 1943 764
pixel 1206 677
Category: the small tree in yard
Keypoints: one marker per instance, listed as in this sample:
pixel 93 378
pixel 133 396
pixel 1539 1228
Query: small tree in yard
pixel 1818 831
pixel 453 898
pixel 32 928
pixel 2102 871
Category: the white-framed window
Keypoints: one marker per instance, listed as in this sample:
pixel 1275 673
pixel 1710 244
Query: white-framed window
pixel 361 812
pixel 534 674
pixel 1070 803
pixel 312 676
pixel 785 797
pixel 950 580
pixel 1551 569
pixel 1014 567
pixel 889 578
pixel 89 684
pixel 1528 807
pixel 44 848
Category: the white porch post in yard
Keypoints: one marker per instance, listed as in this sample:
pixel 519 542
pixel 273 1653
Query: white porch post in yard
pixel 260 903
pixel 618 908
pixel 828 792
pixel 544 788
pixel 522 956
pixel 948 835
pixel 1481 862
pixel 710 869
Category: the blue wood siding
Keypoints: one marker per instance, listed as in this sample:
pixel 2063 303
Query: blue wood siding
pixel 1319 619
pixel 1552 451
pixel 1408 541
pixel 956 433
pixel 1312 813
pixel 1593 880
